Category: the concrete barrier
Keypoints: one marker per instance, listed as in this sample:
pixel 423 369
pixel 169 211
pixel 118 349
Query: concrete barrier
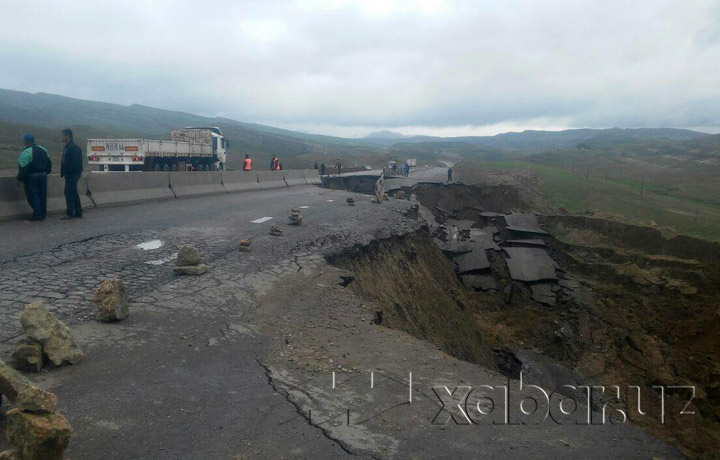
pixel 112 188
pixel 56 194
pixel 312 176
pixel 13 203
pixel 197 183
pixel 271 179
pixel 237 181
pixel 294 177
pixel 12 199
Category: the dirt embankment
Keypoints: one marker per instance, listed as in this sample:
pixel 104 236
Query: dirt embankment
pixel 655 317
pixel 419 293
pixel 644 312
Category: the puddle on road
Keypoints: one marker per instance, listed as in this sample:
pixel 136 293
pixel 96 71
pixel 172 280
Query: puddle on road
pixel 162 261
pixel 150 245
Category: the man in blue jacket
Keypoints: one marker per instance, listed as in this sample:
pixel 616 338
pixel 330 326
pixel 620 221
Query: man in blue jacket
pixel 71 168
pixel 33 167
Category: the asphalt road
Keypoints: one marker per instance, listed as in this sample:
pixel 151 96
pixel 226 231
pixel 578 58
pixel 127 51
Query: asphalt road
pixel 195 373
pixel 180 378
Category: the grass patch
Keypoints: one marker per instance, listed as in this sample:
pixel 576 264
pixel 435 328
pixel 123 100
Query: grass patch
pixel 619 199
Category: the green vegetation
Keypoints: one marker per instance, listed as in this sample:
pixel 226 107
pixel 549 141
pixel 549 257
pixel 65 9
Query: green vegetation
pixel 618 199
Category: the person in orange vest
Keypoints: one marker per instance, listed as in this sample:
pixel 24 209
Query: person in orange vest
pixel 247 166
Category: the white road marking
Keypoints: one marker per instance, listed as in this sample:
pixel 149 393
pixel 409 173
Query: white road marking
pixel 304 207
pixel 330 201
pixel 150 245
pixel 261 220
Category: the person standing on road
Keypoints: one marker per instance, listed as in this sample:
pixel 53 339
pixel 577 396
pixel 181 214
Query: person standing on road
pixel 322 168
pixel 71 167
pixel 247 164
pixel 33 167
pixel 316 165
pixel 274 163
pixel 450 172
pixel 407 170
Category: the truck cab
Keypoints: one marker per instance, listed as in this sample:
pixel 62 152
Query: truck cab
pixel 207 135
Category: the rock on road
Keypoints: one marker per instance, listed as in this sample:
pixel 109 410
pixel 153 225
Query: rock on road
pixel 208 367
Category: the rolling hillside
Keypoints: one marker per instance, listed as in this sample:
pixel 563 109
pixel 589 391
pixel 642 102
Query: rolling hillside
pixel 672 159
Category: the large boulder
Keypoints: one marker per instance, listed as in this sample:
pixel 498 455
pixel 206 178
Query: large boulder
pixel 12 382
pixel 112 301
pixel 10 455
pixel 57 341
pixel 36 401
pixel 38 436
pixel 28 356
pixel 188 255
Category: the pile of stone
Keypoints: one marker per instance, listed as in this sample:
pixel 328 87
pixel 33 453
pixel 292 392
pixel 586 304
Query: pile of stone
pixel 243 245
pixel 189 262
pixel 350 201
pixel 32 427
pixel 295 217
pixel 112 301
pixel 47 341
pixel 275 230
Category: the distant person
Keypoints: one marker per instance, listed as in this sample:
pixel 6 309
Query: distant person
pixel 407 170
pixel 71 167
pixel 274 163
pixel 247 164
pixel 322 168
pixel 339 168
pixel 316 165
pixel 33 167
pixel 450 172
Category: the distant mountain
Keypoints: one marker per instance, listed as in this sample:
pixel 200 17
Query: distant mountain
pixel 385 134
pixel 45 114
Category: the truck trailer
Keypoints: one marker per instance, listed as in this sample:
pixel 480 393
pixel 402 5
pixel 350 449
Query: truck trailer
pixel 190 149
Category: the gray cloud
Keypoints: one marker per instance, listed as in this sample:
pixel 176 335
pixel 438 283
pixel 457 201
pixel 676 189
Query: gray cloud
pixel 345 67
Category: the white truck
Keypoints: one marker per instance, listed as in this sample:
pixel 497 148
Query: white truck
pixel 190 149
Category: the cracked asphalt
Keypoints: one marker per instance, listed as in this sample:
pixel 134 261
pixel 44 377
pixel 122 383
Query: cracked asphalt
pixel 236 363
pixel 181 377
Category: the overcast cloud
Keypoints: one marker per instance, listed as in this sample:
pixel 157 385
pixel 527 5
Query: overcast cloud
pixel 350 67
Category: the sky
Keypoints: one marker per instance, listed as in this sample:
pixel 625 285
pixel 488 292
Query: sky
pixel 347 68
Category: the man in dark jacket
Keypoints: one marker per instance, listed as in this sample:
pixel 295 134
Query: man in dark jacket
pixel 71 169
pixel 33 167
